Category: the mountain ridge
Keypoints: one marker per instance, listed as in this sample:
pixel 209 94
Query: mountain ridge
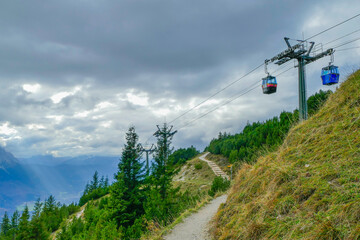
pixel 7 159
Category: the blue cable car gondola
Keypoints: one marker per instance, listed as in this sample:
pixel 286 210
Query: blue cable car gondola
pixel 269 84
pixel 330 75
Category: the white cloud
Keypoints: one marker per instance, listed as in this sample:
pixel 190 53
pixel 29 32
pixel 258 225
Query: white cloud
pixel 6 130
pixel 106 124
pixel 35 126
pixel 82 114
pixel 31 88
pixel 56 98
pixel 140 99
pixel 103 105
pixel 57 118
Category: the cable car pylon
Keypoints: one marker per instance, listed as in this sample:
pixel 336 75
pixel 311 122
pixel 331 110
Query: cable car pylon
pixel 148 150
pixel 301 53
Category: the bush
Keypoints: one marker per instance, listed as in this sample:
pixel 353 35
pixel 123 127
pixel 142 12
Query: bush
pixel 198 166
pixel 219 184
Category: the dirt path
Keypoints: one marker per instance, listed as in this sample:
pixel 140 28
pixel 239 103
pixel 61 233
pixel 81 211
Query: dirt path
pixel 196 226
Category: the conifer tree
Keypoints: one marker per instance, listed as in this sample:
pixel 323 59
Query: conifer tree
pixel 126 193
pixel 50 213
pixel 37 228
pixel 14 224
pixel 162 196
pixel 15 220
pixel 24 228
pixel 5 225
pixel 95 182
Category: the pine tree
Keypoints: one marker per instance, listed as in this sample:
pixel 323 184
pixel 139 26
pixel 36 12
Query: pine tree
pixel 126 193
pixel 24 228
pixel 5 225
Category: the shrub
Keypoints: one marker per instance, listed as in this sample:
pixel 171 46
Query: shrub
pixel 219 184
pixel 198 166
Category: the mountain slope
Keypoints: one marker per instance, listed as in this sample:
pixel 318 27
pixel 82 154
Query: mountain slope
pixel 7 159
pixel 15 184
pixel 22 181
pixel 310 187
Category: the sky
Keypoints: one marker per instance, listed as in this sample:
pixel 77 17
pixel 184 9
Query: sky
pixel 75 75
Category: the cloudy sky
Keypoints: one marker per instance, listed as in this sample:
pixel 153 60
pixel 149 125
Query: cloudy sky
pixel 74 75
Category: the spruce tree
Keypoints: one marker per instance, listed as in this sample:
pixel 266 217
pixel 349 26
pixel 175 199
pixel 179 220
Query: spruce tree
pixel 14 224
pixel 126 192
pixel 5 225
pixel 162 196
pixel 24 228
pixel 37 228
pixel 95 182
pixel 50 213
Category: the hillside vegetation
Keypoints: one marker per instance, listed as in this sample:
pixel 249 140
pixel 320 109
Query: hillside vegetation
pixel 310 187
pixel 260 137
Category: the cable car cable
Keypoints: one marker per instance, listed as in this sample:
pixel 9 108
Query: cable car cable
pixel 345 49
pixel 315 35
pixel 207 99
pixel 218 107
pixel 358 30
pixel 231 99
pixel 336 25
pixel 351 41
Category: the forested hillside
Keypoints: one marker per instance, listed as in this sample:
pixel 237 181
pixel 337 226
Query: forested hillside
pixel 309 188
pixel 259 137
pixel 127 209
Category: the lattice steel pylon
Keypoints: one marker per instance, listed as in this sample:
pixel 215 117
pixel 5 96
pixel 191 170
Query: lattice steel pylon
pixel 147 150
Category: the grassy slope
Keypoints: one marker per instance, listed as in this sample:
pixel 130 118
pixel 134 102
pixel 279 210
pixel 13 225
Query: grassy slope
pixel 194 180
pixel 188 179
pixel 310 187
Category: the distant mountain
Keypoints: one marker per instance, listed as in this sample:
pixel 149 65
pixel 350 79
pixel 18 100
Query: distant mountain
pixel 26 179
pixel 16 185
pixel 7 159
pixel 47 160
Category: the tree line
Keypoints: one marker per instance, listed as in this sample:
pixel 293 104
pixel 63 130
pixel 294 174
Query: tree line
pixel 136 201
pixel 45 219
pixel 125 209
pixel 260 137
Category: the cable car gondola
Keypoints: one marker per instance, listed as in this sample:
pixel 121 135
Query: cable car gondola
pixel 269 84
pixel 330 75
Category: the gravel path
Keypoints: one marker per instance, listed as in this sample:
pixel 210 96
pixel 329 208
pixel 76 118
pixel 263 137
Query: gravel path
pixel 196 226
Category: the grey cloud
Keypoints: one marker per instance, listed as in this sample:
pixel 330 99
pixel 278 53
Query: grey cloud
pixel 177 53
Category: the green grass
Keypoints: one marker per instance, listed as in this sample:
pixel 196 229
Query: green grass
pixel 196 180
pixel 192 179
pixel 310 187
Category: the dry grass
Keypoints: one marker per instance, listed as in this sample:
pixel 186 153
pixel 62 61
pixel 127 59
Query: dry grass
pixel 194 180
pixel 310 187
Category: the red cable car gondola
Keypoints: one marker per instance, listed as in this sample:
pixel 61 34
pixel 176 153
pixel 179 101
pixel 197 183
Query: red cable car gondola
pixel 269 84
